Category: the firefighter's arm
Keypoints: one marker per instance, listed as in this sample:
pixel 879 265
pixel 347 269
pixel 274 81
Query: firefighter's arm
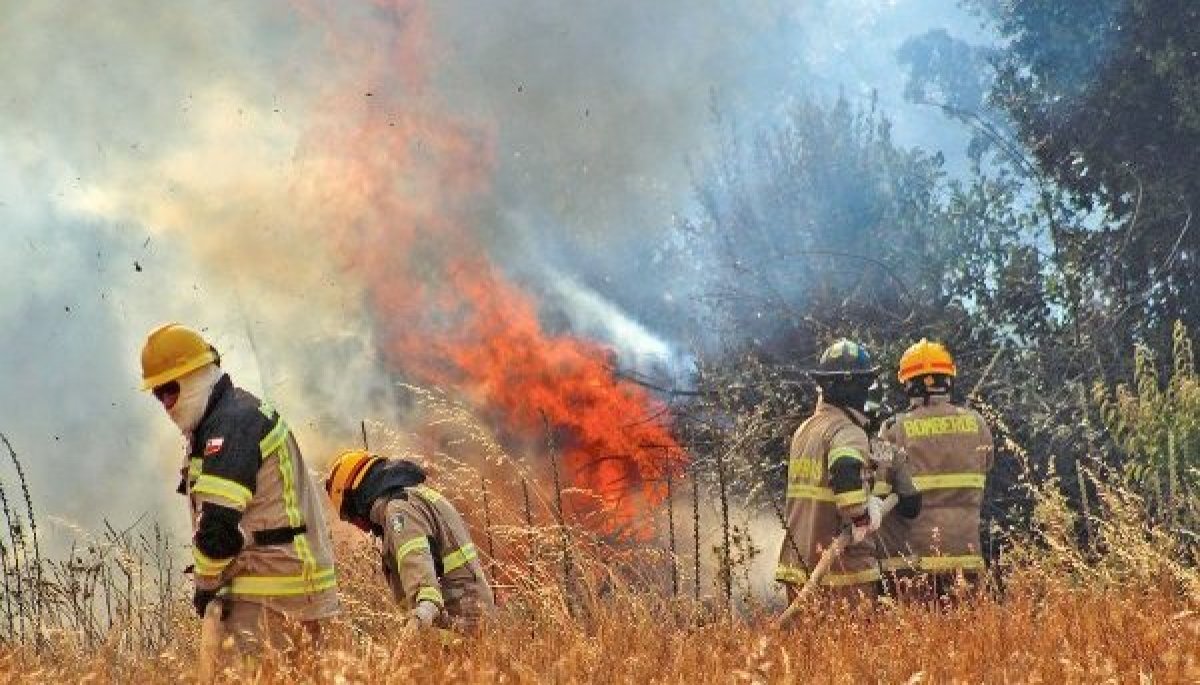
pixel 846 460
pixel 407 539
pixel 224 488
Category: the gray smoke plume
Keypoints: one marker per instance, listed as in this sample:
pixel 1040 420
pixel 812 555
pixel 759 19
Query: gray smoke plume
pixel 151 174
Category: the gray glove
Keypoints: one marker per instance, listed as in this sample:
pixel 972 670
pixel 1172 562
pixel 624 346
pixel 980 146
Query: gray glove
pixel 424 614
pixel 870 522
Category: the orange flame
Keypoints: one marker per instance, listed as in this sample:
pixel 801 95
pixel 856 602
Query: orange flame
pixel 402 179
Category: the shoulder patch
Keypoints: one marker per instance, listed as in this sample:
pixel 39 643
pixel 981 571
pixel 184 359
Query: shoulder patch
pixel 398 524
pixel 213 446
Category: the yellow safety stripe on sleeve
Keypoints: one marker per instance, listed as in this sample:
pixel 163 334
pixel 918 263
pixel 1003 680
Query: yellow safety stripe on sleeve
pixel 966 562
pixel 431 594
pixel 845 453
pixel 413 545
pixel 790 574
pixel 284 586
pixel 849 499
pixel 809 491
pixel 276 443
pixel 459 557
pixel 195 468
pixel 235 493
pixel 881 489
pixel 207 566
pixel 429 493
pixel 950 481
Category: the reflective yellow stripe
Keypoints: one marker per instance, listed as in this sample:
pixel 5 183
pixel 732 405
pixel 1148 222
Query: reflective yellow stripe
pixel 235 493
pixel 207 566
pixel 430 494
pixel 409 547
pixel 459 557
pixel 849 499
pixel 276 443
pixel 966 562
pixel 809 491
pixel 947 481
pixel 790 574
pixel 432 594
pixel 898 564
pixel 195 468
pixel 798 576
pixel 284 586
pixel 273 440
pixel 844 453
pixel 869 575
pixel 881 489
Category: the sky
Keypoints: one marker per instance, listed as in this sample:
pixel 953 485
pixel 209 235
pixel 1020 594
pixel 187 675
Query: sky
pixel 210 162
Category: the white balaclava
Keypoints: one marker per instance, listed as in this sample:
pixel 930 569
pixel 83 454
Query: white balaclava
pixel 195 387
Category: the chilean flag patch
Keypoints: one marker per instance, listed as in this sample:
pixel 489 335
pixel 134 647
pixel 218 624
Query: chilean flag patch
pixel 213 446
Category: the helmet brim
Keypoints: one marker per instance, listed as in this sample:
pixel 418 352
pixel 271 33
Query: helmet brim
pixel 818 373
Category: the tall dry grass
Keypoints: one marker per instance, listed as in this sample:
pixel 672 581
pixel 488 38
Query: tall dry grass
pixel 1118 604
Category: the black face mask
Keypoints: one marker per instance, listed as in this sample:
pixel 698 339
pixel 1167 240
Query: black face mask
pixel 848 394
pixel 382 479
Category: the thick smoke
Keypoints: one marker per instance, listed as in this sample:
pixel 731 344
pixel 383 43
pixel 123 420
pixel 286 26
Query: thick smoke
pixel 159 168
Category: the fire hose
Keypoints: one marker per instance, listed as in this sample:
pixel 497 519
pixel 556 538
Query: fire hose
pixel 831 553
pixel 212 634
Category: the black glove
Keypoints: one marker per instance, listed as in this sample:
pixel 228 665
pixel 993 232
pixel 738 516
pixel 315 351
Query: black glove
pixel 200 600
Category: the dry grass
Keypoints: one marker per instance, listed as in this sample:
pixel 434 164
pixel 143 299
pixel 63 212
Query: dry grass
pixel 1080 635
pixel 1119 605
pixel 1127 615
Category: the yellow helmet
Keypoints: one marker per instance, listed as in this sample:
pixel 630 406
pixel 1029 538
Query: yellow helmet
pixel 172 351
pixel 926 358
pixel 349 469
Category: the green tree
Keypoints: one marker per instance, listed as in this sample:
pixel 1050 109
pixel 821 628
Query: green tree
pixel 1104 96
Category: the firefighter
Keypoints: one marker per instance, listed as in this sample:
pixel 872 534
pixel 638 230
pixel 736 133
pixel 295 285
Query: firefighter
pixel 261 550
pixel 830 471
pixel 949 452
pixel 428 558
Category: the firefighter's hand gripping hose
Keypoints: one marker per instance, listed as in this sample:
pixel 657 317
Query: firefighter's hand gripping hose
pixel 830 555
pixel 424 615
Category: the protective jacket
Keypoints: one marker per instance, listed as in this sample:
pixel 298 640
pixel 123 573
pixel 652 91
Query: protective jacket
pixel 949 451
pixel 259 530
pixel 822 498
pixel 428 555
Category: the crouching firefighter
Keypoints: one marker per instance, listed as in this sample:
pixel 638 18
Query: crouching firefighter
pixel 831 476
pixel 428 558
pixel 949 450
pixel 261 549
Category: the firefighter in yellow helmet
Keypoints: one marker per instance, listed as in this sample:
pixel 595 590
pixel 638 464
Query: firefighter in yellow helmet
pixel 831 477
pixel 949 452
pixel 260 546
pixel 429 560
